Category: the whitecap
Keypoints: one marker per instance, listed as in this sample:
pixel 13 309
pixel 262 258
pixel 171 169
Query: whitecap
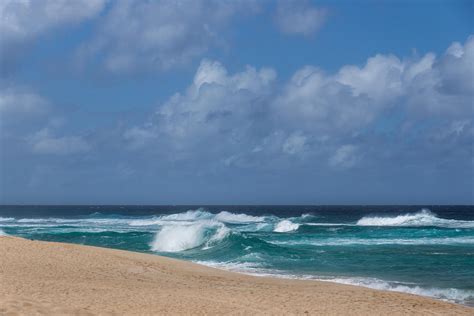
pixel 378 241
pixel 190 215
pixel 233 218
pixel 146 222
pixel 422 218
pixel 286 226
pixel 180 237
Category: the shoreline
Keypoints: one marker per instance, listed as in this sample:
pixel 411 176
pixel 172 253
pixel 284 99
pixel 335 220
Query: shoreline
pixel 51 278
pixel 329 280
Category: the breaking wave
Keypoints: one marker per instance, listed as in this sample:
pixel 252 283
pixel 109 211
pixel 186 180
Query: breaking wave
pixel 196 215
pixel 286 226
pixel 286 246
pixel 231 218
pixel 176 238
pixel 422 218
pixel 190 215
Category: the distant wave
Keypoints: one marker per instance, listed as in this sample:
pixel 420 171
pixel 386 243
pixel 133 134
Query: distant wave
pixel 277 245
pixel 422 218
pixel 230 218
pixel 379 241
pixel 199 214
pixel 73 221
pixel 190 215
pixel 329 224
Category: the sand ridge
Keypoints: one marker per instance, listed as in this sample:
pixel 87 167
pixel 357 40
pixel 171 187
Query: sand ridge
pixel 49 278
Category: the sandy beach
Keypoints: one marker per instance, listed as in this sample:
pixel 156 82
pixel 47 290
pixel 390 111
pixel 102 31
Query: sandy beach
pixel 45 278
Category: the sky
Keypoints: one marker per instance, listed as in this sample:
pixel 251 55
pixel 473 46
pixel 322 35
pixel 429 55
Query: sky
pixel 236 102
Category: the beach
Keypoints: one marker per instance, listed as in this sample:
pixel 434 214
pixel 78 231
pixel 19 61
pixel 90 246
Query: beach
pixel 49 278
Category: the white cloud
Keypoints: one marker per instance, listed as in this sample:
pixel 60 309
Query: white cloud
pixel 457 68
pixel 354 97
pixel 299 17
pixel 217 103
pixel 18 102
pixel 44 142
pixel 445 86
pixel 381 78
pixel 318 103
pixel 247 116
pixel 24 20
pixel 158 35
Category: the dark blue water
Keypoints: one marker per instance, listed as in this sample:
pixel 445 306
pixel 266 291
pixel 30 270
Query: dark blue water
pixel 425 250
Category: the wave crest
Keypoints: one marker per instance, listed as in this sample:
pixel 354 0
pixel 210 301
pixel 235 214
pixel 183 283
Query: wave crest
pixel 422 218
pixel 176 238
pixel 197 215
pixel 286 226
pixel 231 218
pixel 191 215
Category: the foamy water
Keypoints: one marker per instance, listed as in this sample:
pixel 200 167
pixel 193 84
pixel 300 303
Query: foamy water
pixel 419 252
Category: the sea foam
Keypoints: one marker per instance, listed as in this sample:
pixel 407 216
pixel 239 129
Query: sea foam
pixel 448 294
pixel 286 226
pixel 378 241
pixel 231 218
pixel 190 215
pixel 176 238
pixel 422 218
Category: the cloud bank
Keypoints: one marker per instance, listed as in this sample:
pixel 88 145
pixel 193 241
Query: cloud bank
pixel 249 115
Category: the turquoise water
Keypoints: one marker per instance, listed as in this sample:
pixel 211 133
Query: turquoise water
pixel 414 250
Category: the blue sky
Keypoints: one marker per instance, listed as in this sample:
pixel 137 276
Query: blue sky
pixel 237 102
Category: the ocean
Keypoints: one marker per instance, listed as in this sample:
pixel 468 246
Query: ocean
pixel 424 250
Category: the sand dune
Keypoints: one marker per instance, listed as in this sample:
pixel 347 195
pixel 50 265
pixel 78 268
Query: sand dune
pixel 43 278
